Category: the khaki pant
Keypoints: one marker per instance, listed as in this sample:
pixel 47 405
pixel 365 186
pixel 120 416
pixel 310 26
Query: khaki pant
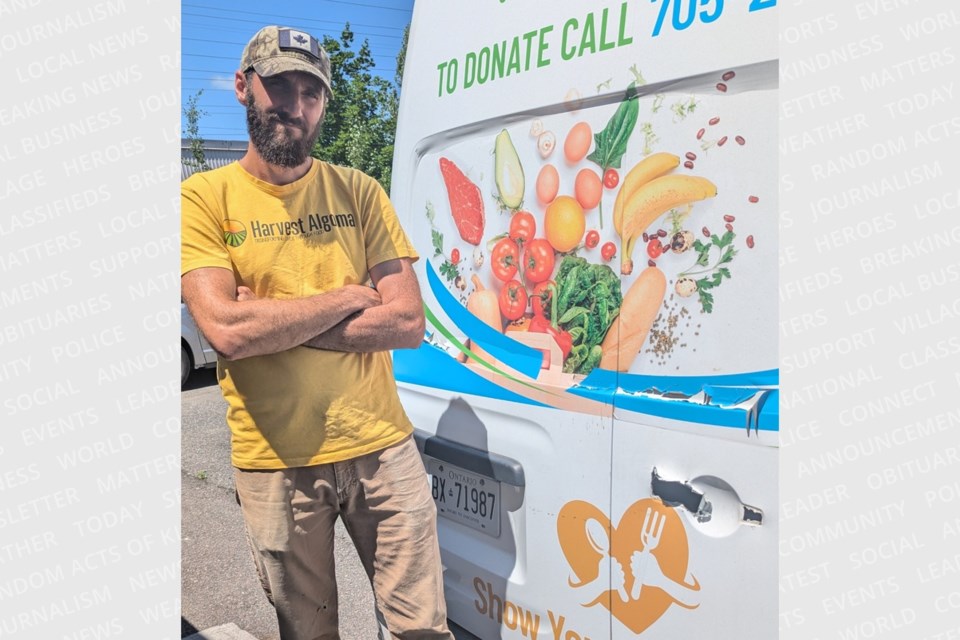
pixel 386 506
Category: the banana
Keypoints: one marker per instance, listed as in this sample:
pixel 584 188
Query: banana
pixel 651 201
pixel 653 166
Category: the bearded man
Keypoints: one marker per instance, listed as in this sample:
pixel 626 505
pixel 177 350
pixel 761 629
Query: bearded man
pixel 300 276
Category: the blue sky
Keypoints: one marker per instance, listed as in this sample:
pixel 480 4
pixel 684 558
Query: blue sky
pixel 214 34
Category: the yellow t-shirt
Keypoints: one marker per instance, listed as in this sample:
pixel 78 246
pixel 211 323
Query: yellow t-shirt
pixel 302 406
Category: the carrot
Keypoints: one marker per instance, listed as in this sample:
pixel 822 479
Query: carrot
pixel 629 331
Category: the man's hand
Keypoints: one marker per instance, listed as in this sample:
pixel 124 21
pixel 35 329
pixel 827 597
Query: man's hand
pixel 398 323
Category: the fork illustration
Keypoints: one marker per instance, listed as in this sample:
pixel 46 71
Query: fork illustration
pixel 646 567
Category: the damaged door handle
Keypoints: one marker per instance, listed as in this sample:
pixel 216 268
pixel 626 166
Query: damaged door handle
pixel 676 493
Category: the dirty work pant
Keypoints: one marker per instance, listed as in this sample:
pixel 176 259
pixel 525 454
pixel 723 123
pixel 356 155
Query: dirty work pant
pixel 386 506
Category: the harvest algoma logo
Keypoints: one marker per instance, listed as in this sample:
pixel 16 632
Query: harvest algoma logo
pixel 637 569
pixel 234 233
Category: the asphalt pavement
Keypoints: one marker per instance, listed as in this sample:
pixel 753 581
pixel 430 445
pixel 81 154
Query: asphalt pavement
pixel 219 585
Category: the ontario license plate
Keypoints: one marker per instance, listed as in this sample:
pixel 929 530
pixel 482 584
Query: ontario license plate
pixel 465 497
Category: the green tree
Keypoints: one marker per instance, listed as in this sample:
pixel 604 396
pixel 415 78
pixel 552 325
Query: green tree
pixel 361 120
pixel 193 114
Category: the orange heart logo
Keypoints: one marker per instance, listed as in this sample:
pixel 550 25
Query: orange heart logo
pixel 636 570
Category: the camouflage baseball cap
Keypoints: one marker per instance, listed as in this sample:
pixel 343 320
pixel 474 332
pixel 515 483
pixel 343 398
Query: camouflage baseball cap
pixel 275 50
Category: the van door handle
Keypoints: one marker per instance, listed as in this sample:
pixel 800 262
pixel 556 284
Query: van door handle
pixel 676 493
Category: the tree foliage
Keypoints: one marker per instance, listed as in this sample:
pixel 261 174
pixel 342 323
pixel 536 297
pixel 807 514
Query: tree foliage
pixel 361 120
pixel 193 114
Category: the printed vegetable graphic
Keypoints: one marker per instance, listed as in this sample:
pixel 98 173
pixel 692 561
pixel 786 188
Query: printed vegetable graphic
pixel 546 293
pixel 513 300
pixel 508 172
pixel 611 143
pixel 651 201
pixel 538 260
pixel 466 203
pixel 640 307
pixel 588 301
pixel 686 285
pixel 483 304
pixel 505 259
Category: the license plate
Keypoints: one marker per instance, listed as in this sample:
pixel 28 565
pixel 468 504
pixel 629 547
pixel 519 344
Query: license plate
pixel 465 497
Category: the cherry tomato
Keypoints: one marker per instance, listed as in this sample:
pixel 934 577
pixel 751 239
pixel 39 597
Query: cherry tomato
pixel 593 239
pixel 611 178
pixel 504 259
pixel 654 248
pixel 455 256
pixel 538 260
pixel 513 300
pixel 608 250
pixel 540 299
pixel 523 226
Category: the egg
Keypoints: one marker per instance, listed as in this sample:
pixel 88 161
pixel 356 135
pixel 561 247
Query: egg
pixel 578 141
pixel 548 184
pixel 588 188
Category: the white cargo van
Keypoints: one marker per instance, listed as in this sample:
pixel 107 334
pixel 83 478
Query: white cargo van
pixel 592 187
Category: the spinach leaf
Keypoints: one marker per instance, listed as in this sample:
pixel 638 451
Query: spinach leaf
pixel 611 143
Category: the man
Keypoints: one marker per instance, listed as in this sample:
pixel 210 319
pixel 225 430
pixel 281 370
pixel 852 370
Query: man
pixel 276 251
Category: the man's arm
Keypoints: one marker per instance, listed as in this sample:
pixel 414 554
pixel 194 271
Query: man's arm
pixel 261 326
pixel 397 323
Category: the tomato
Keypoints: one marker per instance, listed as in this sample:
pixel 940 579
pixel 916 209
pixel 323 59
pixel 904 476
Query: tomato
pixel 513 300
pixel 611 178
pixel 505 259
pixel 538 260
pixel 523 226
pixel 608 250
pixel 540 298
pixel 654 248
pixel 593 238
pixel 455 256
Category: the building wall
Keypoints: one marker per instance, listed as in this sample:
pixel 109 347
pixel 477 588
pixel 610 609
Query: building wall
pixel 218 153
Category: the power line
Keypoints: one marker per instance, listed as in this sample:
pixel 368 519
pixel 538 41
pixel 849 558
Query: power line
pixel 260 22
pixel 273 16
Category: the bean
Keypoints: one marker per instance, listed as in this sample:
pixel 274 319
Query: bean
pixel 729 226
pixel 700 133
pixel 662 233
pixel 728 218
pixel 691 155
pixel 722 141
pixel 688 164
pixel 750 241
pixel 753 199
pixel 714 121
pixel 729 75
pixel 721 87
pixel 646 238
pixel 651 263
pixel 740 140
pixel 706 232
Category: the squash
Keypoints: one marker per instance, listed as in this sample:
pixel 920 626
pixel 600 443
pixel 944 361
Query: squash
pixel 483 304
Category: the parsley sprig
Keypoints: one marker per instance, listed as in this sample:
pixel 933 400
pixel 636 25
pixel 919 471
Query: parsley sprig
pixel 717 272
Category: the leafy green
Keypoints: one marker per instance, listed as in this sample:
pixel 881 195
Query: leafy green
pixel 449 270
pixel 724 245
pixel 437 238
pixel 588 301
pixel 611 143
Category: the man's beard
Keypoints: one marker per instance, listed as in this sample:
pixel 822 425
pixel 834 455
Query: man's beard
pixel 274 144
